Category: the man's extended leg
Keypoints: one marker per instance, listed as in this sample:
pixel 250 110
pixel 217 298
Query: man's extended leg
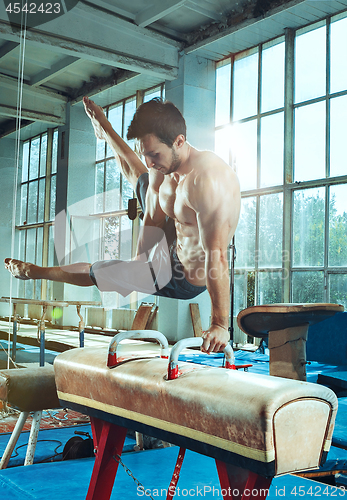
pixel 131 165
pixel 75 274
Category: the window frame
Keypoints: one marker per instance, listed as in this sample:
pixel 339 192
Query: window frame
pixel 41 290
pixel 289 185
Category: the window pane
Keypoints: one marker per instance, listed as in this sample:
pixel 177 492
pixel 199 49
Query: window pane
pixel 223 82
pixel 338 46
pixel 245 234
pixel 32 202
pixel 51 246
pixel 23 203
pixel 31 246
pixel 37 287
pixel 245 88
pixel 129 111
pixel 127 192
pixel 99 187
pixel 112 197
pixel 152 94
pixel 22 245
pixel 43 155
pixel 308 227
pixel 338 226
pixel 338 143
pixel 242 284
pixel 29 289
pixel 126 238
pixel 271 159
pixel 222 143
pixel 338 289
pixel 34 158
pixel 270 287
pixel 41 206
pixel 39 242
pixel 100 149
pixel 308 287
pixel 115 116
pixel 270 230
pixel 310 142
pixel 25 162
pixel 310 64
pixel 55 151
pixel 111 238
pixel 244 146
pixel 272 87
pixel 53 197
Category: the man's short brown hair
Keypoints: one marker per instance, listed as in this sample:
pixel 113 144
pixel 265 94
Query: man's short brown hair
pixel 160 118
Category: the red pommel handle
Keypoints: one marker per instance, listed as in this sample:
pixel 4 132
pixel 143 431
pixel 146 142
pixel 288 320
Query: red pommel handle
pixel 113 360
pixel 173 371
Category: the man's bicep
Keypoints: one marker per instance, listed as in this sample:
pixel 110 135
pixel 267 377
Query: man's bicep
pixel 154 214
pixel 214 230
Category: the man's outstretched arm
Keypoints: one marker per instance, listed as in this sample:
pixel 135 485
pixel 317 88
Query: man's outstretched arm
pixel 130 164
pixel 217 210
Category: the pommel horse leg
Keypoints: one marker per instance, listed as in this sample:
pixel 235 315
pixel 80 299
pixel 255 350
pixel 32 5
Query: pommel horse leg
pixel 108 441
pixel 239 484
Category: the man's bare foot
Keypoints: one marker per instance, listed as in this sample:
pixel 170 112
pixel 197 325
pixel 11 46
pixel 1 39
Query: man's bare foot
pixel 18 268
pixel 97 117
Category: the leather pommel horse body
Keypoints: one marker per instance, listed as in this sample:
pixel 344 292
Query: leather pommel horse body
pixel 254 426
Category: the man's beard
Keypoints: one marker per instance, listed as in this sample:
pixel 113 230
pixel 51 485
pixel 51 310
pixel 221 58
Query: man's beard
pixel 175 162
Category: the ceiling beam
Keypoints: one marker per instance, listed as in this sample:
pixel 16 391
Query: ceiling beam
pixel 55 70
pixel 156 11
pixel 30 114
pixel 7 48
pixel 102 40
pixel 10 126
pixel 37 104
pixel 96 85
pixel 11 84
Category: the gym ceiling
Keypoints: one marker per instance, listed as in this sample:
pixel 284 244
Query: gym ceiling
pixel 108 49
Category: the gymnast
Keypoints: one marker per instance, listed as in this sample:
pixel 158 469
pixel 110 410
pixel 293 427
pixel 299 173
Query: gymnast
pixel 191 202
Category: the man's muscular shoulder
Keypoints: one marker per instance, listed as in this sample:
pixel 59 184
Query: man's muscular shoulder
pixel 212 179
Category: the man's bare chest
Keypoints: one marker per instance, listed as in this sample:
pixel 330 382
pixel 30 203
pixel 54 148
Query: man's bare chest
pixel 174 201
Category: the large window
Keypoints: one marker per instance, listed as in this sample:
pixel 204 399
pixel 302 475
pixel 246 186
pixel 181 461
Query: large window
pixel 280 112
pixel 37 208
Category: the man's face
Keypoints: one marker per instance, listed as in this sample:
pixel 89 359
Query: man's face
pixel 158 155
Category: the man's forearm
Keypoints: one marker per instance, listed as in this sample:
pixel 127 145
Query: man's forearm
pixel 218 286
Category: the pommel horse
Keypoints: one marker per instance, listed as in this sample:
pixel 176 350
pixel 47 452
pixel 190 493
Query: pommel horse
pixel 255 426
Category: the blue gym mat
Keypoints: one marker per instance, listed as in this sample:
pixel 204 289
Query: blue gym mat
pixel 259 361
pixel 152 468
pixel 26 353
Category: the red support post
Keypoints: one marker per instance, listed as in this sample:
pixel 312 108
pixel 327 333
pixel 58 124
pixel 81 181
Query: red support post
pixel 241 484
pixel 176 474
pixel 108 442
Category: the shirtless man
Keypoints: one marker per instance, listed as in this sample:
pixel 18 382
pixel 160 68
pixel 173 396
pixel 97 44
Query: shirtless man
pixel 194 189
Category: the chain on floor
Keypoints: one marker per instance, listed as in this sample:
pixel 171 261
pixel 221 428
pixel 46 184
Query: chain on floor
pixel 130 474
